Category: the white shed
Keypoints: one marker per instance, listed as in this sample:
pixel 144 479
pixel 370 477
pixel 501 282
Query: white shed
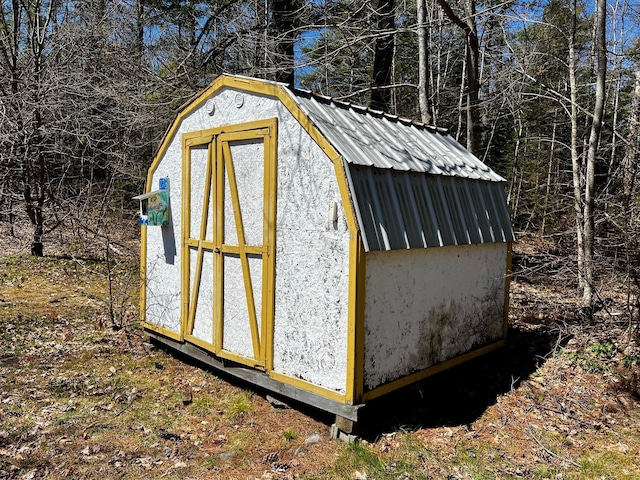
pixel 326 252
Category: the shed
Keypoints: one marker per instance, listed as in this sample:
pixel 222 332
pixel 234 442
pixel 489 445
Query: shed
pixel 323 251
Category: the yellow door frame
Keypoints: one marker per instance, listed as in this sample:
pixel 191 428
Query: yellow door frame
pixel 219 165
pixel 190 293
pixel 266 130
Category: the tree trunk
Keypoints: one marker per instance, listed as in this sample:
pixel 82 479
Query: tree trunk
pixel 423 63
pixel 468 25
pixel 547 193
pixel 383 55
pixel 34 161
pixel 576 161
pixel 594 142
pixel 284 16
pixel 474 127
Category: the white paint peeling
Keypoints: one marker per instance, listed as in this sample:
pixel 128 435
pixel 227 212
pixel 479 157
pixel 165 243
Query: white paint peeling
pixel 425 306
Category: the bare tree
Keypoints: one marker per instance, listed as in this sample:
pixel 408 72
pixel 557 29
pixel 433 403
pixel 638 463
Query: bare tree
pixel 468 26
pixel 383 54
pixel 576 159
pixel 27 28
pixel 593 146
pixel 285 16
pixel 584 174
pixel 424 73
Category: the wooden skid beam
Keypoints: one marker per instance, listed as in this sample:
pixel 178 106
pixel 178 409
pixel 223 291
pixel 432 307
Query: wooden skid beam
pixel 261 379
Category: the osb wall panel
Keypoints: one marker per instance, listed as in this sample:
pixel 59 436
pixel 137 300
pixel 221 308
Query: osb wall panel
pixel 425 306
pixel 311 287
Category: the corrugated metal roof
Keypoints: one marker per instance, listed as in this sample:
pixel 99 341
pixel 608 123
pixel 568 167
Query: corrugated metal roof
pixel 399 210
pixel 373 139
pixel 413 185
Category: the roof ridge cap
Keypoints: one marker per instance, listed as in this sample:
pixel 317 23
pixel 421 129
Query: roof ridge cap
pixel 363 110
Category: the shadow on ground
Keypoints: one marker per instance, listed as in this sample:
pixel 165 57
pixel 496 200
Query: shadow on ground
pixel 459 396
pixel 455 397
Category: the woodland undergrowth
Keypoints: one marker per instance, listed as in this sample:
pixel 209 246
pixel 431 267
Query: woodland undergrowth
pixel 80 396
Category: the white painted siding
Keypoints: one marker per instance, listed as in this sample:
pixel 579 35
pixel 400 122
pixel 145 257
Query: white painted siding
pixel 163 250
pixel 423 307
pixel 312 256
pixel 312 264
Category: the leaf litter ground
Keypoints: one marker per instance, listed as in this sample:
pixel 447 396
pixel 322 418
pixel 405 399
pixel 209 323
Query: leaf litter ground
pixel 79 399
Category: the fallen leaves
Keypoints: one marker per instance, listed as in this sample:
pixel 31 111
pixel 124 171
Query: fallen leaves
pixel 78 401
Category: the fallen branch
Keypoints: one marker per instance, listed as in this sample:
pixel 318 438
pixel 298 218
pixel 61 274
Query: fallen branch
pixel 553 454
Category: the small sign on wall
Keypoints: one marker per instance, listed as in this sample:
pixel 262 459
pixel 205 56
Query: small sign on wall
pixel 154 206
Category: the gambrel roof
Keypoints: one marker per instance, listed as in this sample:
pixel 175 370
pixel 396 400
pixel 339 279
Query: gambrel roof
pixel 412 185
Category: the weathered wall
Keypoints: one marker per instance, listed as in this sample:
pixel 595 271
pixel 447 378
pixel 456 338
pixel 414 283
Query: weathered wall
pixel 312 267
pixel 425 306
pixel 163 249
pixel 311 288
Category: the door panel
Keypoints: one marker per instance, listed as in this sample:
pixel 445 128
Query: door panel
pixel 198 324
pixel 203 306
pixel 229 240
pixel 248 166
pixel 200 170
pixel 244 244
pixel 238 336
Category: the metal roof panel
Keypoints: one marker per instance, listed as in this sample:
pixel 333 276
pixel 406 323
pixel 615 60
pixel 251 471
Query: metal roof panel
pixel 369 138
pixel 401 209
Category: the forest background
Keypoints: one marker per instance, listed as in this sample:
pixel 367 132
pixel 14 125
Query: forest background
pixel 547 93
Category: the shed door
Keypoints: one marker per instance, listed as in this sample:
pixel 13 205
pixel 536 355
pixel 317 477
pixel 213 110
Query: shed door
pixel 238 199
pixel 198 241
pixel 244 243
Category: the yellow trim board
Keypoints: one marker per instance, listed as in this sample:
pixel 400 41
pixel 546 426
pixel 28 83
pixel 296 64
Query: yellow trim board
pixel 308 386
pixel 163 331
pixel 200 343
pixel 218 239
pixel 441 367
pixel 241 359
pixel 359 321
pixel 355 323
pixel 268 297
pixel 351 321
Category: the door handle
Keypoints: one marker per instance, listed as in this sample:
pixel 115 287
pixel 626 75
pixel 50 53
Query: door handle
pixel 216 250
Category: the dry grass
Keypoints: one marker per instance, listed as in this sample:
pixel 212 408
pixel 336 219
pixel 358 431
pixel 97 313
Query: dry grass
pixel 79 399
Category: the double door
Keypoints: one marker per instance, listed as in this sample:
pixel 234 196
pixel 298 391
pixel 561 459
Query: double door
pixel 228 239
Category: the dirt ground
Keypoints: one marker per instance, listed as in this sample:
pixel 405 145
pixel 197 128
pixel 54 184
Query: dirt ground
pixel 81 398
